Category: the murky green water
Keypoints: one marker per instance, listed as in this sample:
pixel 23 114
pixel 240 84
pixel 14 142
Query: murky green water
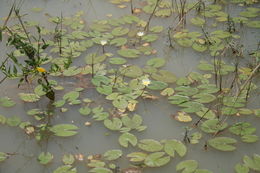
pixel 156 114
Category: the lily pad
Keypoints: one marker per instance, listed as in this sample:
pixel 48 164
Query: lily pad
pixel 213 126
pixel 249 138
pixel 187 166
pixel 71 96
pixel 172 146
pixel 156 159
pixel 242 128
pixel 93 58
pixel 186 90
pixel 113 124
pixel 29 97
pixel 178 99
pixel 85 110
pixel 204 98
pixel 164 76
pixel 120 31
pixel 113 154
pixel 137 156
pixel 117 61
pixel 157 85
pixel 6 102
pixel 65 169
pixel 239 168
pixel 156 62
pixel 45 158
pixel 64 130
pixel 127 138
pixel 100 170
pixel 133 71
pixel 3 156
pixel 252 163
pixel 223 143
pixel 197 21
pixel 68 159
pixel 129 53
pixel 150 145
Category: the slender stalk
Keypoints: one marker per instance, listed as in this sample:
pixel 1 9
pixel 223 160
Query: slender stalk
pixel 152 14
pixel 131 5
pixel 21 22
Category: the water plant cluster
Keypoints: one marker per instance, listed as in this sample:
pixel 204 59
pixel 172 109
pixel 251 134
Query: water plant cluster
pixel 104 58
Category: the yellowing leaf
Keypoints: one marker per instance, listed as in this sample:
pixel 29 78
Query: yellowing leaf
pixel 183 117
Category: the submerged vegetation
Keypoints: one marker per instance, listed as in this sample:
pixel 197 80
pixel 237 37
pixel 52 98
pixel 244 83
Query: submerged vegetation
pixel 212 102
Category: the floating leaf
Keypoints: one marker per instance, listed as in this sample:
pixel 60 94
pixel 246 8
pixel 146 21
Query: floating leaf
pixel 186 90
pixel 71 96
pixel 213 126
pixel 2 119
pixel 252 163
pixel 129 53
pixel 13 121
pixel 126 138
pixel 119 31
pixel 29 97
pixel 3 156
pixel 113 154
pixel 249 138
pixel 105 89
pixel 100 170
pixel 117 61
pixel 167 92
pixel 113 124
pixel 171 146
pixel 194 137
pixel 66 169
pixel 150 38
pixel 45 158
pixel 202 171
pixel 204 98
pixel 253 24
pixel 185 42
pixel 68 159
pixel 156 159
pixel 71 71
pixel 150 145
pixel 157 85
pixel 199 47
pixel 242 128
pixel 164 76
pixel 85 110
pixel 228 110
pixel 93 58
pixel 133 123
pixel 241 168
pixel 187 166
pixel 178 99
pixel 64 130
pixel 6 102
pixel 137 156
pixel 223 143
pixel 206 113
pixel 183 117
pixel 156 62
pixel 191 107
pixel 156 29
pixel 197 21
pixel 118 41
pixel 59 103
pixel 133 71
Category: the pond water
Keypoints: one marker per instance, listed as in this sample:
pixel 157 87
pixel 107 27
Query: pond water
pixel 156 111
